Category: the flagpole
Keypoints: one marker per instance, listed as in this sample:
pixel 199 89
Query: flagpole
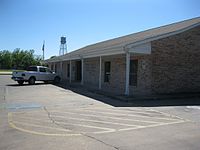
pixel 43 48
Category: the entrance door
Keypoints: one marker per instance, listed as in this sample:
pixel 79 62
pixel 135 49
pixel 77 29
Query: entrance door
pixel 78 71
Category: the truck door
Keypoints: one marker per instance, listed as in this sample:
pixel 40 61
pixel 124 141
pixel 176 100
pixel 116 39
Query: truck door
pixel 49 74
pixel 42 74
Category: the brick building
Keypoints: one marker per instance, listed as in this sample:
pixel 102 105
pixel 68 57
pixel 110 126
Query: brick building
pixel 160 60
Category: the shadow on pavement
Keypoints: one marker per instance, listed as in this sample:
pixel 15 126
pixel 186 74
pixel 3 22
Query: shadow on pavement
pixel 182 99
pixel 26 84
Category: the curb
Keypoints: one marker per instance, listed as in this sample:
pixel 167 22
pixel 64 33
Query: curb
pixel 5 73
pixel 132 99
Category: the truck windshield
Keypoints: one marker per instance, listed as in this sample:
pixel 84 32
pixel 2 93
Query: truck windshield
pixel 32 69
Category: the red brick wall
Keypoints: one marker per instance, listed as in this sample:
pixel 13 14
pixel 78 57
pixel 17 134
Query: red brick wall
pixel 176 63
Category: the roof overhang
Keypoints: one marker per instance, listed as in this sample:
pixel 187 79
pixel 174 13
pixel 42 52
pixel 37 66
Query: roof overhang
pixel 138 47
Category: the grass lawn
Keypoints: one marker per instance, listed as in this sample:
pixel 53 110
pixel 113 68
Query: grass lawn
pixel 3 70
pixel 7 71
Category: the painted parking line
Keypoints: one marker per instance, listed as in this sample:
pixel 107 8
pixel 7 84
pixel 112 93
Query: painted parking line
pixel 120 114
pixel 147 111
pixel 118 118
pixel 10 122
pixel 33 119
pixel 40 126
pixel 118 109
pixel 170 115
pixel 111 109
pixel 154 125
pixel 106 130
pixel 96 121
pixel 88 120
pixel 108 117
pixel 80 119
pixel 130 115
pixel 150 119
pixel 137 111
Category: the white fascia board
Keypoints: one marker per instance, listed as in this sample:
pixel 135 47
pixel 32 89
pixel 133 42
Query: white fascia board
pixel 96 53
pixel 73 58
pixel 56 60
pixel 150 39
pixel 142 48
pixel 105 52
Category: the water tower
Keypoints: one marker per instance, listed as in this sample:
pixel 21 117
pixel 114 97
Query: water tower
pixel 63 46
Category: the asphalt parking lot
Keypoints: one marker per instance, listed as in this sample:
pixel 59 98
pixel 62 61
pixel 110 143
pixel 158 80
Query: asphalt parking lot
pixel 44 116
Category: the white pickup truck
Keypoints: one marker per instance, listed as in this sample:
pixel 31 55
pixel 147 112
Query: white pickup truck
pixel 35 73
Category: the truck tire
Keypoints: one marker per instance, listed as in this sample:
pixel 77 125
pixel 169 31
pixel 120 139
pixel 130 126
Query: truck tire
pixel 56 80
pixel 31 81
pixel 46 82
pixel 20 82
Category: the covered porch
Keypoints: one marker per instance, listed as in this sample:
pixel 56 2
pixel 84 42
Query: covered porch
pixel 124 73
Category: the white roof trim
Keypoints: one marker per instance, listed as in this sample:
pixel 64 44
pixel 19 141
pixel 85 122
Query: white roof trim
pixel 128 46
pixel 141 46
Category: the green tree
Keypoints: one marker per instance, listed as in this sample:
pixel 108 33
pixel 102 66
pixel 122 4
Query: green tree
pixel 5 59
pixel 22 59
pixel 18 59
pixel 52 57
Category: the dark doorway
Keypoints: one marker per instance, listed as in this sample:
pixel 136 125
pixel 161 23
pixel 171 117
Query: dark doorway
pixel 68 70
pixel 78 71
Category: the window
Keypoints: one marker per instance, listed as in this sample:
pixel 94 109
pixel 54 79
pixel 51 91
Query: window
pixel 42 69
pixel 133 72
pixel 48 70
pixel 56 68
pixel 68 70
pixel 107 72
pixel 32 69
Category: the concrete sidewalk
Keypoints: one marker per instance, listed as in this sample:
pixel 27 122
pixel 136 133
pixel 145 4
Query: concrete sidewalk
pixel 175 99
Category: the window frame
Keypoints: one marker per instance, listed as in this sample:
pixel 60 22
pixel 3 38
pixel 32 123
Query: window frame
pixel 133 72
pixel 31 69
pixel 44 69
pixel 48 70
pixel 107 71
pixel 68 70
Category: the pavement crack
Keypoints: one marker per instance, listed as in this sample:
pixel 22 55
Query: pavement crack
pixel 117 148
pixel 4 93
pixel 83 134
pixel 51 119
pixel 55 122
pixel 49 115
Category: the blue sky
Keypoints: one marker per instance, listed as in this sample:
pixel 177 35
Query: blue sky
pixel 26 23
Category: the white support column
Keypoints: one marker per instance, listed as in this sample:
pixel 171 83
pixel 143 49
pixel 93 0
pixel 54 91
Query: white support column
pixel 100 72
pixel 70 71
pixel 127 73
pixel 82 73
